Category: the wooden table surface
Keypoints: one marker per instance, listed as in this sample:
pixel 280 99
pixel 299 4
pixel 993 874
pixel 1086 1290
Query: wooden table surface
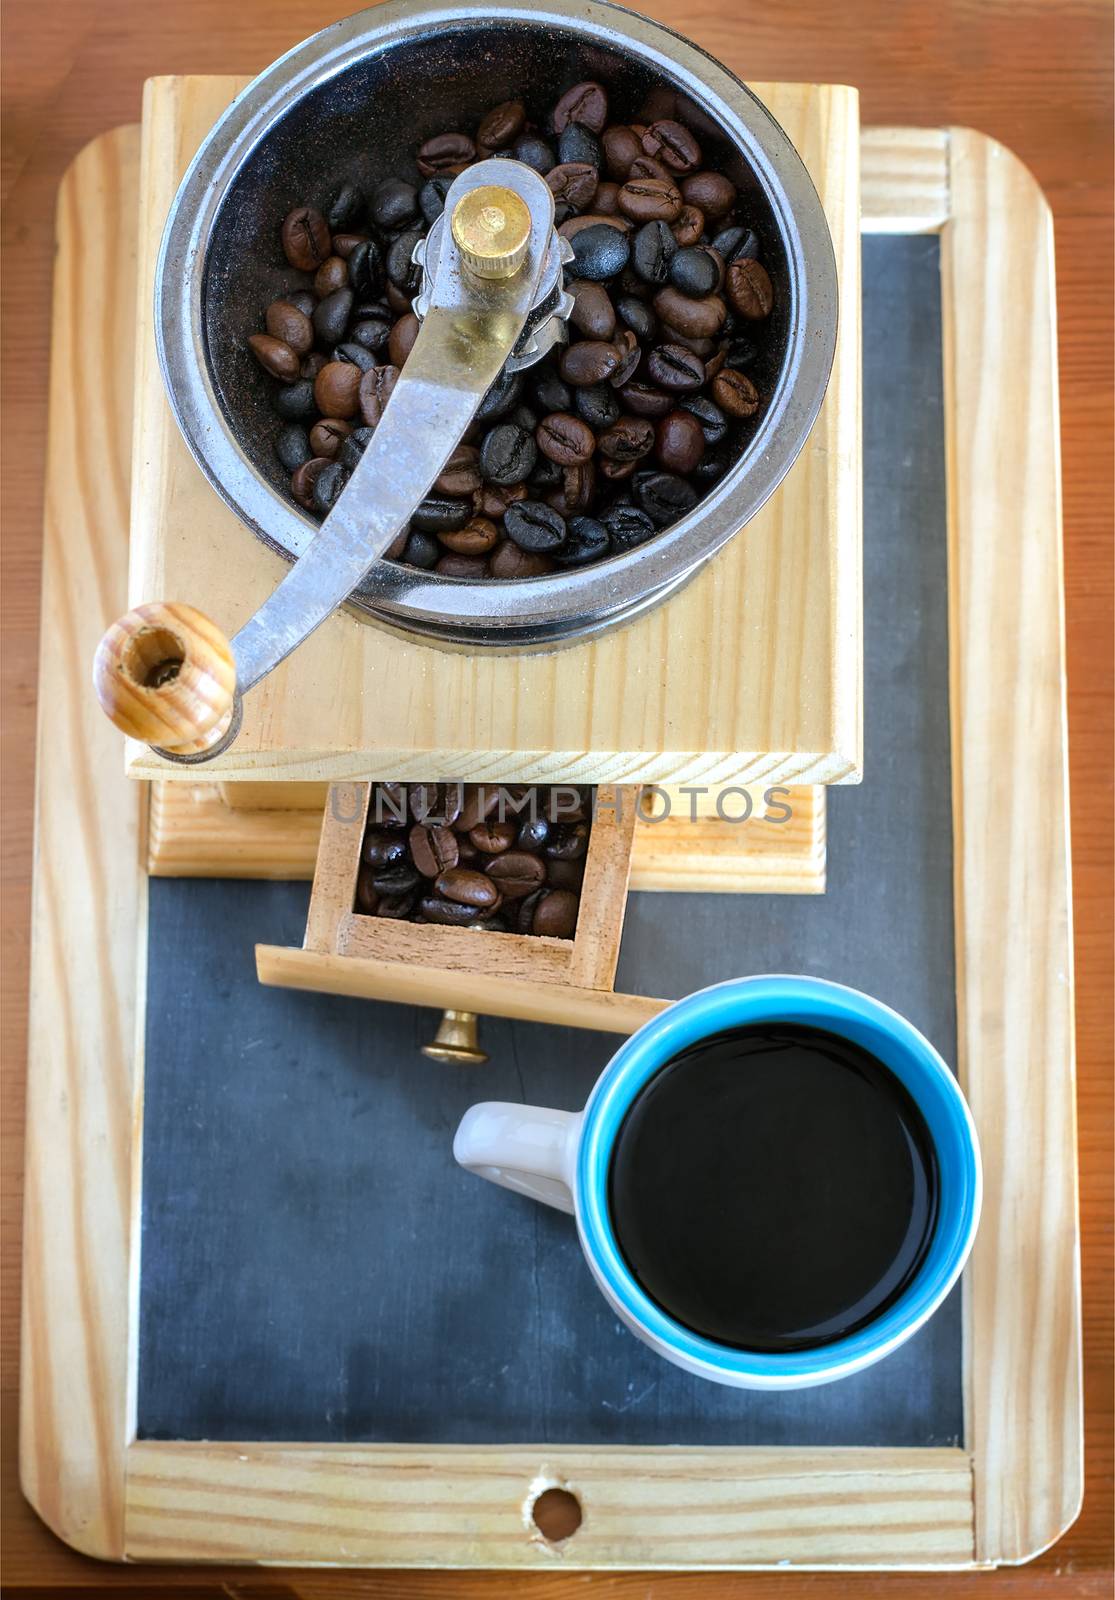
pixel 1035 74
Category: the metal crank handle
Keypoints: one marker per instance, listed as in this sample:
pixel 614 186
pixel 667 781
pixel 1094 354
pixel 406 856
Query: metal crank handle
pixel 165 673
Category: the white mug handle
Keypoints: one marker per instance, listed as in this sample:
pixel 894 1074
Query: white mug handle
pixel 527 1148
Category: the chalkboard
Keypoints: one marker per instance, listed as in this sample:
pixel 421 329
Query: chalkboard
pixel 315 1267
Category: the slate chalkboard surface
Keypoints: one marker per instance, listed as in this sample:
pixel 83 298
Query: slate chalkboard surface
pixel 314 1266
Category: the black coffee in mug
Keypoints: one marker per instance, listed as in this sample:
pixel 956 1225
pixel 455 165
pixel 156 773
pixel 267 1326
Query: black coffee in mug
pixel 773 1188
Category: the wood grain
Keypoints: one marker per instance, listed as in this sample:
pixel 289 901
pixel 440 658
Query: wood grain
pixel 904 180
pixel 651 1508
pixel 89 917
pixel 73 71
pixel 1011 847
pixel 204 830
pixel 455 989
pixel 784 704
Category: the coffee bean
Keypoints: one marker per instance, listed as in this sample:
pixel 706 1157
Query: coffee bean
pixel 343 208
pixel 652 251
pixel 507 454
pixel 331 316
pixel 695 272
pixel 586 103
pixel 586 540
pixel 372 332
pixel 534 526
pixel 621 146
pixel 596 404
pixel 491 838
pixel 332 274
pixel 451 565
pixel 507 560
pixel 292 446
pixel 438 514
pixel 493 499
pixel 628 439
pixel 421 550
pixel 502 125
pixel 678 442
pixel 638 316
pixel 302 300
pixel 296 403
pixel 645 166
pixel 665 497
pixel 577 143
pixel 615 471
pixel 328 486
pixel 460 475
pixel 627 527
pixel 365 269
pixel 431 198
pixel 688 226
pixel 327 437
pixel 534 829
pixel 356 354
pixel 311 365
pixel 400 263
pixel 565 875
pixel 433 850
pixel 274 356
pixel 445 152
pixel 749 289
pixel 503 394
pixel 476 538
pixel 673 145
pixel 449 913
pixel 536 154
pixel 671 366
pixel 564 439
pixel 555 915
pixel 735 392
pixel 290 325
pixel 548 392
pixel 516 873
pixel 737 244
pixel 630 354
pixel 343 245
pixel 396 878
pixel 376 388
pixel 589 361
pixel 711 191
pixel 337 389
pixel 649 200
pixel 573 184
pixel 713 422
pixel 393 203
pixel 467 888
pixel 645 400
pixel 695 319
pixel 547 474
pixel 305 238
pixel 401 339
pixel 367 900
pixel 353 447
pixel 383 847
pixel 578 486
pixel 600 252
pixel 593 314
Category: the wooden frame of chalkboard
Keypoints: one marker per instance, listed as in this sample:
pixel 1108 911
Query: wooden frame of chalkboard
pixel 1015 1483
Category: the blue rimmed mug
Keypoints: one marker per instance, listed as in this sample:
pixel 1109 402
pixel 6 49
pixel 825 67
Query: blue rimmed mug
pixel 562 1158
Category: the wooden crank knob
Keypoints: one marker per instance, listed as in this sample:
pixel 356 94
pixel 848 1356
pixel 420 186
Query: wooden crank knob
pixel 165 674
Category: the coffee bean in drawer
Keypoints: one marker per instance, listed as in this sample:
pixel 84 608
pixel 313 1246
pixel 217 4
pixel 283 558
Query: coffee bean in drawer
pixel 502 858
